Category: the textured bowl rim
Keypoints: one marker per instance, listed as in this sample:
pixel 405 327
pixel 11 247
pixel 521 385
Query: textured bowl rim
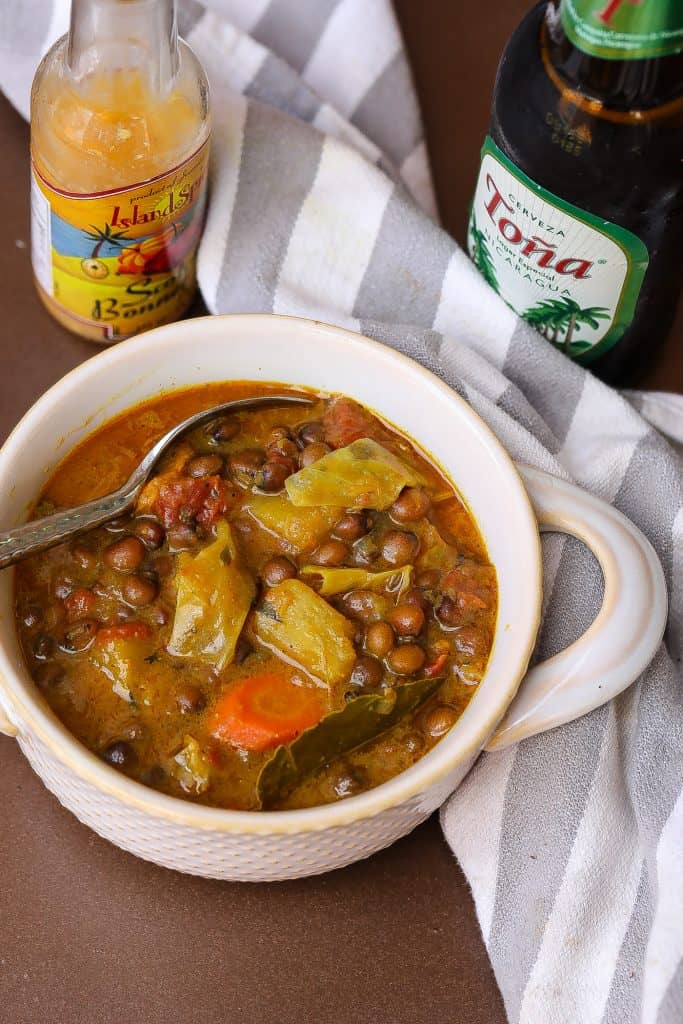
pixel 452 751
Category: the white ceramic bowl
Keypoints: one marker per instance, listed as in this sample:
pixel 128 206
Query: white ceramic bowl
pixel 273 845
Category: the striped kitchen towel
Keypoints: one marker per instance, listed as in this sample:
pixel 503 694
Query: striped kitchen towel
pixel 322 206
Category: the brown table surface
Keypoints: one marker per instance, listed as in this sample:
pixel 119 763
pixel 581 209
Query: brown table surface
pixel 89 934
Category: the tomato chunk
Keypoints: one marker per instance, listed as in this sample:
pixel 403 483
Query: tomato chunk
pixel 345 421
pixel 124 631
pixel 435 666
pixel 471 585
pixel 205 500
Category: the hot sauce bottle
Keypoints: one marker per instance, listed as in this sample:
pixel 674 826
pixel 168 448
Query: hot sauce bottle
pixel 577 217
pixel 119 151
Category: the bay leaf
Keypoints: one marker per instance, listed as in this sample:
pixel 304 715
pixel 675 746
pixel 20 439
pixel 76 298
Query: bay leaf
pixel 339 732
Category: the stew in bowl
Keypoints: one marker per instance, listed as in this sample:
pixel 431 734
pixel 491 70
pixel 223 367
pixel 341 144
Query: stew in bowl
pixel 298 609
pixel 164 370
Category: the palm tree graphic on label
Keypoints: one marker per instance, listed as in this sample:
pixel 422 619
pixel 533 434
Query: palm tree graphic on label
pixel 92 266
pixel 481 256
pixel 558 319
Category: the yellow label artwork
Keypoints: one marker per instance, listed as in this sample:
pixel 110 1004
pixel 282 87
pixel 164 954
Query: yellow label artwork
pixel 122 261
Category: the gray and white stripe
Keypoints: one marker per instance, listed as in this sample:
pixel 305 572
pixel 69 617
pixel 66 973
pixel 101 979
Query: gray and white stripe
pixel 320 205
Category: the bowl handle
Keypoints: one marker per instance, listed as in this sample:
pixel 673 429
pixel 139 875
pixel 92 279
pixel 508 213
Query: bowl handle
pixel 626 632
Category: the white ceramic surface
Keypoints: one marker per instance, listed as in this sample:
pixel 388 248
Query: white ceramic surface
pixel 239 845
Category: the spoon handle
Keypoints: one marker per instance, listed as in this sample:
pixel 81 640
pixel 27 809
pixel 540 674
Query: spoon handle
pixel 46 532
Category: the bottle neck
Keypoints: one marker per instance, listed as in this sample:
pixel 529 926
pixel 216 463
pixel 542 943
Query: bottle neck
pixel 626 55
pixel 139 36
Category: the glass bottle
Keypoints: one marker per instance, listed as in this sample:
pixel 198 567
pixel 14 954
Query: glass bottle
pixel 578 212
pixel 119 150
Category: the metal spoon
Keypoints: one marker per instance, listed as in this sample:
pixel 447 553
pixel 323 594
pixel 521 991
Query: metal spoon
pixel 45 533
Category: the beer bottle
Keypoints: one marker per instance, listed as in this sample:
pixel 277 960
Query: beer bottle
pixel 577 217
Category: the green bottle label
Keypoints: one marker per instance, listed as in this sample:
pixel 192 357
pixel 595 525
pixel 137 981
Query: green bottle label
pixel 573 276
pixel 624 29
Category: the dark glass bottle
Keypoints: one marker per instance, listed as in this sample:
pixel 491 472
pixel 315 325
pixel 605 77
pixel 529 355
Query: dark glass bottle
pixel 578 215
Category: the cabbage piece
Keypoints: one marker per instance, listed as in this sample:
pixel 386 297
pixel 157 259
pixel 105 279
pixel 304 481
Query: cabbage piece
pixel 362 475
pixel 339 581
pixel 191 768
pixel 360 720
pixel 301 528
pixel 306 630
pixel 122 661
pixel 214 595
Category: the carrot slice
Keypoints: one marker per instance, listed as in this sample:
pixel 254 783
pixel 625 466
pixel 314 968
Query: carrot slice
pixel 264 711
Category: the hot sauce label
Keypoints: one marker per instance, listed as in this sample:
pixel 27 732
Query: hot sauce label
pixel 573 276
pixel 624 29
pixel 121 261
